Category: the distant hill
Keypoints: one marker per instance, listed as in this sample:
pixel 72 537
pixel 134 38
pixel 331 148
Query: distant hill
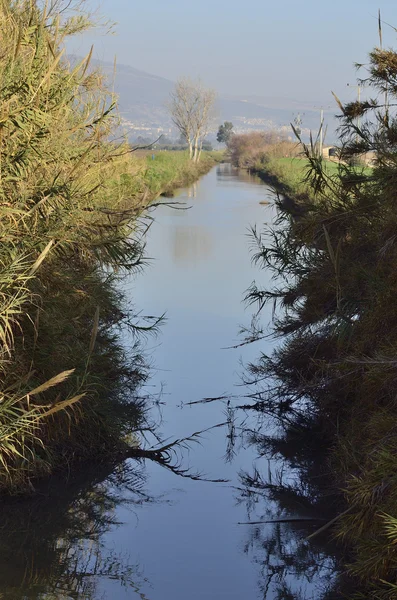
pixel 143 98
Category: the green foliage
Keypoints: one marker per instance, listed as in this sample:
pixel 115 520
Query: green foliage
pixel 71 209
pixel 225 132
pixel 71 220
pixel 170 170
pixel 67 216
pixel 334 255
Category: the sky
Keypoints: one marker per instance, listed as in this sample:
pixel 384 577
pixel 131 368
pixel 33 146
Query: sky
pixel 296 49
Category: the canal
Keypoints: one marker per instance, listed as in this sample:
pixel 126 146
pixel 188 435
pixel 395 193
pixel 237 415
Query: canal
pixel 143 530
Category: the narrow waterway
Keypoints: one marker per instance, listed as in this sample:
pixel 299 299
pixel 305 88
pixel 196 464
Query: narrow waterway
pixel 144 531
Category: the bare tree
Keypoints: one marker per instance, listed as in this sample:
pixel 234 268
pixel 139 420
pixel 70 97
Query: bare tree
pixel 191 109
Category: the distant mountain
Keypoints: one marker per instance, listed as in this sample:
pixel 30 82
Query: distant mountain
pixel 143 98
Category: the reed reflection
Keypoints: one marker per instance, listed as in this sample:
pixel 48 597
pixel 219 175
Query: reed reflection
pixel 53 547
pixel 288 511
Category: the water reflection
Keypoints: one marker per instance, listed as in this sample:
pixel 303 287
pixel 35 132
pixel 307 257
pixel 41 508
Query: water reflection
pixel 192 190
pixel 104 535
pixel 53 547
pixel 287 500
pixel 191 244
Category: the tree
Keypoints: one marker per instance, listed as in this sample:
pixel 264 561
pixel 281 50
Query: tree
pixel 225 132
pixel 181 141
pixel 191 108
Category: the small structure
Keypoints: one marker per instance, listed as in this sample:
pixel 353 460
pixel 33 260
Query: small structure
pixel 330 153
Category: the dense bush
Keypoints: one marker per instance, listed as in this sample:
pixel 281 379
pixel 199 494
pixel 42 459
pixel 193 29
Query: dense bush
pixel 252 150
pixel 71 210
pixel 334 254
pixel 65 220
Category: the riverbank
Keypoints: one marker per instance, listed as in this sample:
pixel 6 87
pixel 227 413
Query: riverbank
pixel 88 381
pixel 289 175
pixel 284 175
pixel 334 257
pixel 95 511
pixel 73 219
pixel 169 171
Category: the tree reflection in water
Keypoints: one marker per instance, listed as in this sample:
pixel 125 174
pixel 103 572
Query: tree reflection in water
pixel 294 492
pixel 53 547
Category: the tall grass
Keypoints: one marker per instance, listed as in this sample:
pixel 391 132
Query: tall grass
pixel 71 222
pixel 59 238
pixel 170 170
pixel 253 150
pixel 334 255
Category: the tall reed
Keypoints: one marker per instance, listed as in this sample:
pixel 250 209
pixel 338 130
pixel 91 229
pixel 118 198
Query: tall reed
pixel 334 256
pixel 66 220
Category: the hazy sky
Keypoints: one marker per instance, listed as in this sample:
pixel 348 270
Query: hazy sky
pixel 288 48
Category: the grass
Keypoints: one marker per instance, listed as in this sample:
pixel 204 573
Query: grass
pixel 171 170
pixel 300 165
pixel 291 172
pixel 72 220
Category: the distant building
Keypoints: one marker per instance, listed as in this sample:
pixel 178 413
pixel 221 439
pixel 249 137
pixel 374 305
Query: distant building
pixel 330 152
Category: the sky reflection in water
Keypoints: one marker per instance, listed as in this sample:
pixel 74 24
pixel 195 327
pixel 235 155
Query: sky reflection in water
pixel 163 537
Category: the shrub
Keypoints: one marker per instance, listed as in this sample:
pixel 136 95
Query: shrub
pixel 67 217
pixel 334 254
pixel 251 150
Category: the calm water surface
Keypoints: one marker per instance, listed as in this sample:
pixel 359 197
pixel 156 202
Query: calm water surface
pixel 142 531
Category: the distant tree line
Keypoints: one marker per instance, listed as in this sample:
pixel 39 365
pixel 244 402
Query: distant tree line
pixel 166 143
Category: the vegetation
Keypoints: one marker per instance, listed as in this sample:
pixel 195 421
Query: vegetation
pixel 166 143
pixel 191 109
pixel 71 218
pixel 254 150
pixel 291 172
pixel 171 170
pixel 281 162
pixel 225 132
pixel 296 500
pixel 333 254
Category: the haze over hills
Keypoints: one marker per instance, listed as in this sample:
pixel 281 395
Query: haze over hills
pixel 143 98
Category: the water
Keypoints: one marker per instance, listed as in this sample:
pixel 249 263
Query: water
pixel 141 531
